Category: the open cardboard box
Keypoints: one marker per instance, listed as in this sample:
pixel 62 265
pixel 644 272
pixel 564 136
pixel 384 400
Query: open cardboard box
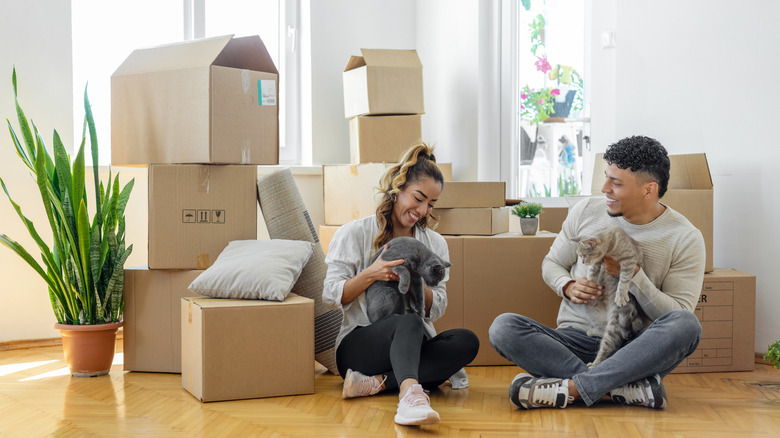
pixel 212 100
pixel 383 81
pixel 690 192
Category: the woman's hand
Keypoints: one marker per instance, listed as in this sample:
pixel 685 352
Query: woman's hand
pixel 380 270
pixel 582 291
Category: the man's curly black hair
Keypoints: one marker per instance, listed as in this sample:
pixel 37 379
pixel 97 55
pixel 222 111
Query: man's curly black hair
pixel 642 155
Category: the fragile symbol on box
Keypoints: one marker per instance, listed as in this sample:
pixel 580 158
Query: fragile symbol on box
pixel 192 216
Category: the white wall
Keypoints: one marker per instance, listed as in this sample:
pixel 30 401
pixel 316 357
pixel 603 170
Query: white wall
pixel 448 45
pixel 339 29
pixel 700 76
pixel 36 39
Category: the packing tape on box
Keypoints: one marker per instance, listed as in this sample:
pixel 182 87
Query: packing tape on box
pixel 196 301
pixel 203 186
pixel 286 217
pixel 202 261
pixel 246 153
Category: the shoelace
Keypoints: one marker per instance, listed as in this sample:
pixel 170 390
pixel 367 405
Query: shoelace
pixel 547 394
pixel 368 386
pixel 634 393
pixel 414 398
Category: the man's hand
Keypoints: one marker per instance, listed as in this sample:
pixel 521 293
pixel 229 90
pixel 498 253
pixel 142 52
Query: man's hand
pixel 582 291
pixel 612 267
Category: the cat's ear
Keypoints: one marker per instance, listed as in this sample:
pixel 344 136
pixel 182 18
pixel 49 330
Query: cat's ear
pixel 447 264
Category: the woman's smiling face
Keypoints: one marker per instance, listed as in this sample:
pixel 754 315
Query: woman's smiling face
pixel 413 203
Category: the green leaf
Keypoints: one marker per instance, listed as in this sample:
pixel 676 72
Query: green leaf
pixel 82 225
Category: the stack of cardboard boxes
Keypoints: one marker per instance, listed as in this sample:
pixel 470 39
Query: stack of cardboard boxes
pixel 202 115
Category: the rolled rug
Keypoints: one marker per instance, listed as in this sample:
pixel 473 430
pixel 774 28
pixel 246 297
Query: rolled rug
pixel 286 218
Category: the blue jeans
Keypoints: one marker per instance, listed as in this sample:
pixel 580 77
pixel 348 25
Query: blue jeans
pixel 565 352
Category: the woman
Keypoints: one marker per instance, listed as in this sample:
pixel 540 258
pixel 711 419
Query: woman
pixel 400 352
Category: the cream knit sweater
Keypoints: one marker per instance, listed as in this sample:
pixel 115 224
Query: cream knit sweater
pixel 670 278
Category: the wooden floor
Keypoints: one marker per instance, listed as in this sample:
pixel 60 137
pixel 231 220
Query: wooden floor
pixel 39 398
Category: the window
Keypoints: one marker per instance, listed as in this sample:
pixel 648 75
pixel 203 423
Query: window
pixel 104 34
pixel 550 82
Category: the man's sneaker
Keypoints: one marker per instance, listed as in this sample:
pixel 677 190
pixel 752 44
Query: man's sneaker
pixel 359 385
pixel 648 392
pixel 528 392
pixel 415 408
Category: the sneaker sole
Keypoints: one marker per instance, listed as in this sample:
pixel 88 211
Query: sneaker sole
pixel 347 385
pixel 432 418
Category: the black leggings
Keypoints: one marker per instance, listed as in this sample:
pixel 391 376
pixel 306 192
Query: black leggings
pixel 399 348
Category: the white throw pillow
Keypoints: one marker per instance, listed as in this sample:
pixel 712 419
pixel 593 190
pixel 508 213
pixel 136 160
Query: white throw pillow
pixel 255 269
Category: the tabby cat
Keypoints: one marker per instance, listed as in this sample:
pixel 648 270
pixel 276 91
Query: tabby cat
pixel 385 298
pixel 623 319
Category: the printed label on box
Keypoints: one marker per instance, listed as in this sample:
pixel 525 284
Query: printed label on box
pixel 267 92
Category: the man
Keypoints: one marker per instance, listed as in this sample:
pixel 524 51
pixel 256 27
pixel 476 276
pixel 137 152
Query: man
pixel 666 287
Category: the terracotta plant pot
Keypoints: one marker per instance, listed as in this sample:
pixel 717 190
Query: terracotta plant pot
pixel 89 349
pixel 529 225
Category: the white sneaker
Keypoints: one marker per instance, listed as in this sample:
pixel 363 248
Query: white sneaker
pixel 527 392
pixel 415 408
pixel 357 384
pixel 460 380
pixel 648 392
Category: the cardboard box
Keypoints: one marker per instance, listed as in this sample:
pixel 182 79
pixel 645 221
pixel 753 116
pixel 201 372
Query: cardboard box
pixel 239 349
pixel 501 274
pixel 196 210
pixel 453 316
pixel 212 100
pixel 472 221
pixel 460 194
pixel 690 192
pixel 349 190
pixel 382 139
pixel 383 82
pixel 727 312
pixel 152 315
pixel 326 235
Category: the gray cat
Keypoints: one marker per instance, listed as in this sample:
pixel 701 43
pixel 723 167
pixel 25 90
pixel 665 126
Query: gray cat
pixel 385 298
pixel 623 319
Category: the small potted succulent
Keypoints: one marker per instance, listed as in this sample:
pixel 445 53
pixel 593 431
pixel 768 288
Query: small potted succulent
pixel 773 354
pixel 528 213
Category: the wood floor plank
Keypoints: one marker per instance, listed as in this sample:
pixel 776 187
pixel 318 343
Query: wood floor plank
pixel 36 399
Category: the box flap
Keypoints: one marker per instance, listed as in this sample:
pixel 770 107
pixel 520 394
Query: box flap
pixel 355 62
pixel 391 58
pixel 179 55
pixel 246 53
pixel 690 171
pixel 687 171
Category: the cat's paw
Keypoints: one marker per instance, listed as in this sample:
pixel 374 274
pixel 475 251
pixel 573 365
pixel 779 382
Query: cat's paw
pixel 621 300
pixel 591 365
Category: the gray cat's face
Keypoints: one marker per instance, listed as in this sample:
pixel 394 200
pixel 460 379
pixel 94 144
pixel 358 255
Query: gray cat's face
pixel 433 270
pixel 590 250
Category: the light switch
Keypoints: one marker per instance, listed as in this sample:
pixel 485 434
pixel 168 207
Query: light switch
pixel 608 39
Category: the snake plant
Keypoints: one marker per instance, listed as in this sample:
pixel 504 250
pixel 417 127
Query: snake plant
pixel 84 265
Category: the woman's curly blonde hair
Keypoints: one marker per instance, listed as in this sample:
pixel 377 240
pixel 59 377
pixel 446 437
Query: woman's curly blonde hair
pixel 416 163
